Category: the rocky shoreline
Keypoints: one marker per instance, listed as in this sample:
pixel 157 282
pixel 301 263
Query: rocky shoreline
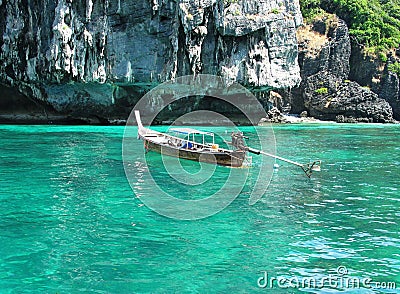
pixel 56 119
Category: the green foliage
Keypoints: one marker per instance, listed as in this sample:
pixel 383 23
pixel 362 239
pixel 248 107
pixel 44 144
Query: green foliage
pixel 382 56
pixel 275 10
pixel 321 91
pixel 394 67
pixel 374 23
pixel 311 9
pixel 237 12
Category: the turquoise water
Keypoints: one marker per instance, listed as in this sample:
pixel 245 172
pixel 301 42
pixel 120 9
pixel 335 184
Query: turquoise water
pixel 70 222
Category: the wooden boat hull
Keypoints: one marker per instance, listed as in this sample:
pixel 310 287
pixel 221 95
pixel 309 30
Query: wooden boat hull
pixel 233 158
pixel 174 146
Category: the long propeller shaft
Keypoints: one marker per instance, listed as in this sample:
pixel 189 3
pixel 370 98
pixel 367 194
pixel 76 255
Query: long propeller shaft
pixel 308 168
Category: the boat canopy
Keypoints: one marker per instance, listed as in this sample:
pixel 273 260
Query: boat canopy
pixel 189 131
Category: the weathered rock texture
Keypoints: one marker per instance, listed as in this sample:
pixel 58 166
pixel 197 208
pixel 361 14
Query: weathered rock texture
pixel 325 91
pixel 390 88
pixel 97 58
pixel 344 101
pixel 370 71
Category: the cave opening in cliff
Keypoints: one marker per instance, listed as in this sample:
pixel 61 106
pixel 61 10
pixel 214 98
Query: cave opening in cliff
pixel 231 111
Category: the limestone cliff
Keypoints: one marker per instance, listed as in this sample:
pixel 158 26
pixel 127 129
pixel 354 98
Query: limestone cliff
pixel 370 71
pixel 326 91
pixel 95 58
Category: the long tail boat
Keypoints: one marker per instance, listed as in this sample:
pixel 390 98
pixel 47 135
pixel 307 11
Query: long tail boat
pixel 187 147
pixel 209 152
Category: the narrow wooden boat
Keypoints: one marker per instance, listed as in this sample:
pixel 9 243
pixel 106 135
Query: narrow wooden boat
pixel 188 148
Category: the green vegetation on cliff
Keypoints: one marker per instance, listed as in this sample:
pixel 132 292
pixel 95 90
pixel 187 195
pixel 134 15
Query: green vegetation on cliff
pixel 374 23
pixel 395 67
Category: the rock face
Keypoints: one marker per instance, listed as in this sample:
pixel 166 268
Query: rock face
pixel 390 89
pixel 371 71
pixel 344 101
pixel 325 92
pixel 96 58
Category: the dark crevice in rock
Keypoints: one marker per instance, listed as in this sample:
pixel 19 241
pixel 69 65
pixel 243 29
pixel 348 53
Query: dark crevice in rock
pixel 17 107
pixel 182 54
pixel 195 103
